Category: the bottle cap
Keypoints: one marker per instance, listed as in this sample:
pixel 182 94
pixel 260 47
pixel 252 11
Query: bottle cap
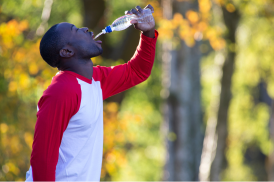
pixel 108 29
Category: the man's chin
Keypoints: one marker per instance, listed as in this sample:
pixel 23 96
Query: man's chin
pixel 97 54
pixel 100 51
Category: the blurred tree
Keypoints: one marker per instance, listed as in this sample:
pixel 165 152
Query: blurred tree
pixel 94 14
pixel 231 18
pixel 247 142
pixel 243 111
pixel 183 115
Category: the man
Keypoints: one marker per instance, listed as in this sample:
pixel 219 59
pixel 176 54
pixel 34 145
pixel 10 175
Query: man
pixel 68 138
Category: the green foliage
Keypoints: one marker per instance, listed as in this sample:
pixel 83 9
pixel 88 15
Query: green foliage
pixel 248 116
pixel 249 120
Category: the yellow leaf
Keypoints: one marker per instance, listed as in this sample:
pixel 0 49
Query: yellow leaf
pixel 177 20
pixel 33 68
pixel 202 26
pixel 190 42
pixel 19 55
pixel 217 44
pixel 28 139
pixel 12 28
pixel 23 25
pixel 4 127
pixel 24 80
pixel 165 33
pixel 204 5
pixel 15 144
pixel 12 168
pixel 178 17
pixel 12 86
pixel 192 16
pixel 112 107
pixel 230 7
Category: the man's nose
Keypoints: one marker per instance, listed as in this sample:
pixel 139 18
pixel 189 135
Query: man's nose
pixel 85 29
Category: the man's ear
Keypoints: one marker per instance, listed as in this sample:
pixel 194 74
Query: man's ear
pixel 66 52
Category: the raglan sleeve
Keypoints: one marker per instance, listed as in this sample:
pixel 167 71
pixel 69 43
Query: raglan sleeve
pixel 56 107
pixel 116 79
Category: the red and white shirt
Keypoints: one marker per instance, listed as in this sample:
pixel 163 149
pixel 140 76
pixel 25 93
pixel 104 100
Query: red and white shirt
pixel 68 137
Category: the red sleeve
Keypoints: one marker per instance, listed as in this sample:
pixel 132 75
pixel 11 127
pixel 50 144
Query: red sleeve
pixel 57 105
pixel 122 77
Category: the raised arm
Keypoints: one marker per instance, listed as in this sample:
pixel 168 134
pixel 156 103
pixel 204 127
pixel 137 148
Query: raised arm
pixel 119 78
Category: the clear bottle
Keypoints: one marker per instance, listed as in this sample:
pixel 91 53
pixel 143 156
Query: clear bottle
pixel 124 22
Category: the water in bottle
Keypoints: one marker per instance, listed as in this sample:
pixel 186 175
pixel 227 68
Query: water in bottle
pixel 124 22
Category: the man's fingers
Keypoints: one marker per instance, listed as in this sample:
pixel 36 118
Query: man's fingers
pixel 138 8
pixel 149 7
pixel 134 11
pixel 138 11
pixel 128 12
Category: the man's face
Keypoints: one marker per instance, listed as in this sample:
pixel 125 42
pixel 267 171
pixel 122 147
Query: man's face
pixel 81 40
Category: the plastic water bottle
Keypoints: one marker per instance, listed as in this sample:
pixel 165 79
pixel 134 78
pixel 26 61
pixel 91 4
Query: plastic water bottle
pixel 124 22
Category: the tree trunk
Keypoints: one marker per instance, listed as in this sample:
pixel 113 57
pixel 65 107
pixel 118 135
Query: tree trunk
pixel 210 139
pixel 183 106
pixel 231 20
pixel 94 14
pixel 270 160
pixel 168 55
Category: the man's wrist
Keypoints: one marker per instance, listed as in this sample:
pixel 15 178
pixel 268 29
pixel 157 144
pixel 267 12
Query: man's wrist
pixel 149 33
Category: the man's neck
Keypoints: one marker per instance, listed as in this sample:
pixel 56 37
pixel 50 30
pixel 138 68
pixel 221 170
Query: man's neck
pixel 83 68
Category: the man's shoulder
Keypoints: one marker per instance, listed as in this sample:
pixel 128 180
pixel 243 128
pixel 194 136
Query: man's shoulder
pixel 64 92
pixel 63 85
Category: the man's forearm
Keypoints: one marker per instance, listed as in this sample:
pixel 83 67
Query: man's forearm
pixel 150 33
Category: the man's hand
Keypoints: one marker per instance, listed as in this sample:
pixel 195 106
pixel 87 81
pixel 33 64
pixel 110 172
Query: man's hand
pixel 146 28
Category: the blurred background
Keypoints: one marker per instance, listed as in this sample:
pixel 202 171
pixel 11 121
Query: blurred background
pixel 206 112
